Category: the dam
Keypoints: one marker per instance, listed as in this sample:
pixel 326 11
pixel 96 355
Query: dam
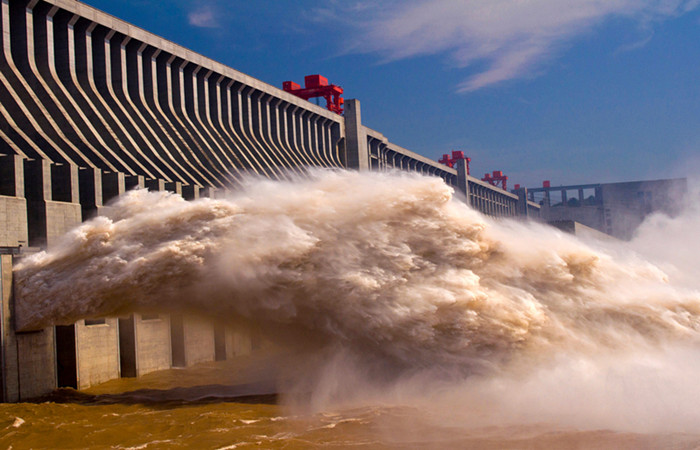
pixel 93 107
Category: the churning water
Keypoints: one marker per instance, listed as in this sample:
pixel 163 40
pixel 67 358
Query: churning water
pixel 394 296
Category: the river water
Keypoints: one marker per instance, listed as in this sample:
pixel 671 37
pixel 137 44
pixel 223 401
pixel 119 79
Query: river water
pixel 401 319
pixel 204 407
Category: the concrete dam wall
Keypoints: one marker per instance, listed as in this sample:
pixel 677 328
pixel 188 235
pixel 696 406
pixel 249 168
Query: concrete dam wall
pixel 92 106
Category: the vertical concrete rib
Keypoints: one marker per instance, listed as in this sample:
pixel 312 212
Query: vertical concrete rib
pixel 307 141
pixel 19 99
pixel 199 108
pixel 125 72
pixel 271 136
pixel 259 125
pixel 192 103
pixel 114 84
pixel 139 79
pixel 248 119
pixel 43 64
pixel 63 69
pixel 292 135
pixel 270 124
pixel 154 83
pixel 315 138
pixel 282 122
pixel 239 120
pixel 303 134
pixel 168 82
pixel 80 76
pixel 181 102
pixel 225 123
pixel 328 144
pixel 94 77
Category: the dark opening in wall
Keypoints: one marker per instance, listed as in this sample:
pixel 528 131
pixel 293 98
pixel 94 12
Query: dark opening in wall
pixel 127 346
pixel 177 336
pixel 66 363
pixel 61 183
pixel 91 322
pixel 219 343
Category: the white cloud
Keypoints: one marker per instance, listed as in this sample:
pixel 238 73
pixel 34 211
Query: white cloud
pixel 510 38
pixel 203 17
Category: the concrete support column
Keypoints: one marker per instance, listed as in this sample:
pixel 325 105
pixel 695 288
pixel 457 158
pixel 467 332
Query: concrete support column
pixel 90 191
pixel 64 183
pixel 356 151
pixel 134 181
pixel 11 176
pixel 53 200
pixel 463 178
pixel 564 199
pixel 37 192
pixel 190 192
pixel 155 185
pixel 113 185
pixel 28 362
pixel 580 196
pixel 13 205
pixel 521 207
pixel 208 192
pixel 174 186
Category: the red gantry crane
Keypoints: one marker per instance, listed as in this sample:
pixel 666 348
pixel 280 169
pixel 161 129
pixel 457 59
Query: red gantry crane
pixel 497 179
pixel 450 161
pixel 317 86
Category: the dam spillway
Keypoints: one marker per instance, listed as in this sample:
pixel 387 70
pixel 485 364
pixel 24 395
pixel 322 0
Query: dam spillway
pixel 91 107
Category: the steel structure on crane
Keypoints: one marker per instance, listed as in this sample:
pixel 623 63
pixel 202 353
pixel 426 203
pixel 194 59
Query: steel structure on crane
pixel 317 86
pixel 450 160
pixel 496 179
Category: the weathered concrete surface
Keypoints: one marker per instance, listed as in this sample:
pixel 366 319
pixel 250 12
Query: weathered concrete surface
pixel 97 352
pixel 153 350
pixel 238 343
pixel 61 217
pixel 28 362
pixel 192 340
pixel 37 363
pixel 13 222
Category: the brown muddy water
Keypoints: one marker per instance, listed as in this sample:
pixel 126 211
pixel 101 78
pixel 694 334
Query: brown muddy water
pixel 207 407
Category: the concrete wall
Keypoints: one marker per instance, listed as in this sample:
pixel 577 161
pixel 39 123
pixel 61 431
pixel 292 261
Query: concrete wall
pixel 153 351
pixel 13 221
pixel 238 343
pixel 97 352
pixel 617 208
pixel 199 340
pixel 589 215
pixel 28 359
pixel 61 217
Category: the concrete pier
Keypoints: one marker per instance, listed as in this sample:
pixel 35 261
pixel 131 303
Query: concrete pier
pixel 144 344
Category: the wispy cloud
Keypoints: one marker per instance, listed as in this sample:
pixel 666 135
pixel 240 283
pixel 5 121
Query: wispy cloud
pixel 509 38
pixel 204 16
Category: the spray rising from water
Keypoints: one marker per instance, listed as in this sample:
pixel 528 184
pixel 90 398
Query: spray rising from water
pixel 386 266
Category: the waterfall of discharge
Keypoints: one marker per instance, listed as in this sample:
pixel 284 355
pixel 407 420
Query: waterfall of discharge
pixel 405 291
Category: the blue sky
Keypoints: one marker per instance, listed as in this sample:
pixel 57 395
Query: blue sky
pixel 581 91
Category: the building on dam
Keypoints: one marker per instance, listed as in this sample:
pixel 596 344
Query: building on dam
pixel 616 209
pixel 91 106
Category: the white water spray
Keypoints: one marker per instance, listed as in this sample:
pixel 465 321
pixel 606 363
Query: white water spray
pixel 389 267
